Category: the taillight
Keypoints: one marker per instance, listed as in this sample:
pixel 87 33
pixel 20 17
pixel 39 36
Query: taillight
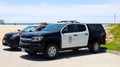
pixel 105 35
pixel 43 23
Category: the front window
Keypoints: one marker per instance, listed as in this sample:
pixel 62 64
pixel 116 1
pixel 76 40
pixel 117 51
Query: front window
pixel 29 28
pixel 53 27
pixel 70 28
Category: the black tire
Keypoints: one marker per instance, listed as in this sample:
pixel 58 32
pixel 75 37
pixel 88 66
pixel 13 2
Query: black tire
pixel 51 51
pixel 31 53
pixel 13 48
pixel 95 47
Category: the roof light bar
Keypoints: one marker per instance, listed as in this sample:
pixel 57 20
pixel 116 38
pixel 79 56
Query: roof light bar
pixel 68 21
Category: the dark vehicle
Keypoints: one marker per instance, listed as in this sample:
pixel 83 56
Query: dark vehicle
pixel 63 36
pixel 12 39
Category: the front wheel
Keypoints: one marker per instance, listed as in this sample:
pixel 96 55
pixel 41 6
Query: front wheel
pixel 51 51
pixel 13 47
pixel 95 47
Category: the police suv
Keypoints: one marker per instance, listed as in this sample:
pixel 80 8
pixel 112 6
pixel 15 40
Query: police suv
pixel 62 36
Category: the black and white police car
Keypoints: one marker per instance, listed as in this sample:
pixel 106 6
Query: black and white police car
pixel 62 36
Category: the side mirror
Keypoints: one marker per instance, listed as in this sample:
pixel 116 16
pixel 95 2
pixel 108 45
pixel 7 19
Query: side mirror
pixel 18 29
pixel 65 31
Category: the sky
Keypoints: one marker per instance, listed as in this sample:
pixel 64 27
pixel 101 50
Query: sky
pixel 35 11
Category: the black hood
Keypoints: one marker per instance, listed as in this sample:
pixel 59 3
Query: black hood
pixel 37 33
pixel 11 33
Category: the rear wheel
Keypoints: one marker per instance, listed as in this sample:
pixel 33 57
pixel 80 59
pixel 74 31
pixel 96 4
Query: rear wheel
pixel 51 51
pixel 95 47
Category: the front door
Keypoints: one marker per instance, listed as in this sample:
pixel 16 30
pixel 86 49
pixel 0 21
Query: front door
pixel 69 36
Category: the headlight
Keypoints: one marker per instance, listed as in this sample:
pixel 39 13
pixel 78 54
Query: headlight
pixel 37 38
pixel 15 35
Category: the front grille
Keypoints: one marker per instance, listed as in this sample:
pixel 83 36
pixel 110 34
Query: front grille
pixel 27 36
pixel 25 40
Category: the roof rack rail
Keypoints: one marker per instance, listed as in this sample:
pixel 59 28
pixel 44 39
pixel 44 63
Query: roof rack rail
pixel 68 21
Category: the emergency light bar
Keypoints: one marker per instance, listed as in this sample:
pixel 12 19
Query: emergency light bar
pixel 68 21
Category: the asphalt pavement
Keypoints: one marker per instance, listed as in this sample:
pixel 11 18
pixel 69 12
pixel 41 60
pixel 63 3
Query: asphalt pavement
pixel 81 58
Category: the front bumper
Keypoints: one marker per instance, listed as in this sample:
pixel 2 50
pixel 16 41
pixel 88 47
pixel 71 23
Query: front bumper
pixel 28 47
pixel 11 43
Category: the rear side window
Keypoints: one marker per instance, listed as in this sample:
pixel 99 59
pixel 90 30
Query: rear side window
pixel 81 27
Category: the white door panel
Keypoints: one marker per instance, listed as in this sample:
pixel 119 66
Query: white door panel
pixel 82 38
pixel 69 40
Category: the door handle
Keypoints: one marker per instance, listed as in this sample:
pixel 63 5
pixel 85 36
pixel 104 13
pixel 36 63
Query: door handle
pixel 75 35
pixel 86 33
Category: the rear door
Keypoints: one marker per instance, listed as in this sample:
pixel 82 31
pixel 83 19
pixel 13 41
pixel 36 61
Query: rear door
pixel 82 35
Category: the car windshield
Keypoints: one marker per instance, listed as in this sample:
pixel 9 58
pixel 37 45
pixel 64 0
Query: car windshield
pixel 53 27
pixel 29 28
pixel 40 28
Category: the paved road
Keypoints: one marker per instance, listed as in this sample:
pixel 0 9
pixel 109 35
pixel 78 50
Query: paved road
pixel 81 58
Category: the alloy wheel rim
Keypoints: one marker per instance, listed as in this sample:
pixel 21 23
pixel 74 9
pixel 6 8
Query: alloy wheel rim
pixel 96 46
pixel 52 51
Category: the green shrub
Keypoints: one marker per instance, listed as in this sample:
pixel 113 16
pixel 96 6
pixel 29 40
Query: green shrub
pixel 115 44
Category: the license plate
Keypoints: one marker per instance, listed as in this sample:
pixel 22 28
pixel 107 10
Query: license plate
pixel 22 49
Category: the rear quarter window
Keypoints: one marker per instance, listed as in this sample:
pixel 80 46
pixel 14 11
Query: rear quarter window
pixel 93 27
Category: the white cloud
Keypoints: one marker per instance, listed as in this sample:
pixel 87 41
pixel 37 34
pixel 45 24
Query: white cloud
pixel 50 13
